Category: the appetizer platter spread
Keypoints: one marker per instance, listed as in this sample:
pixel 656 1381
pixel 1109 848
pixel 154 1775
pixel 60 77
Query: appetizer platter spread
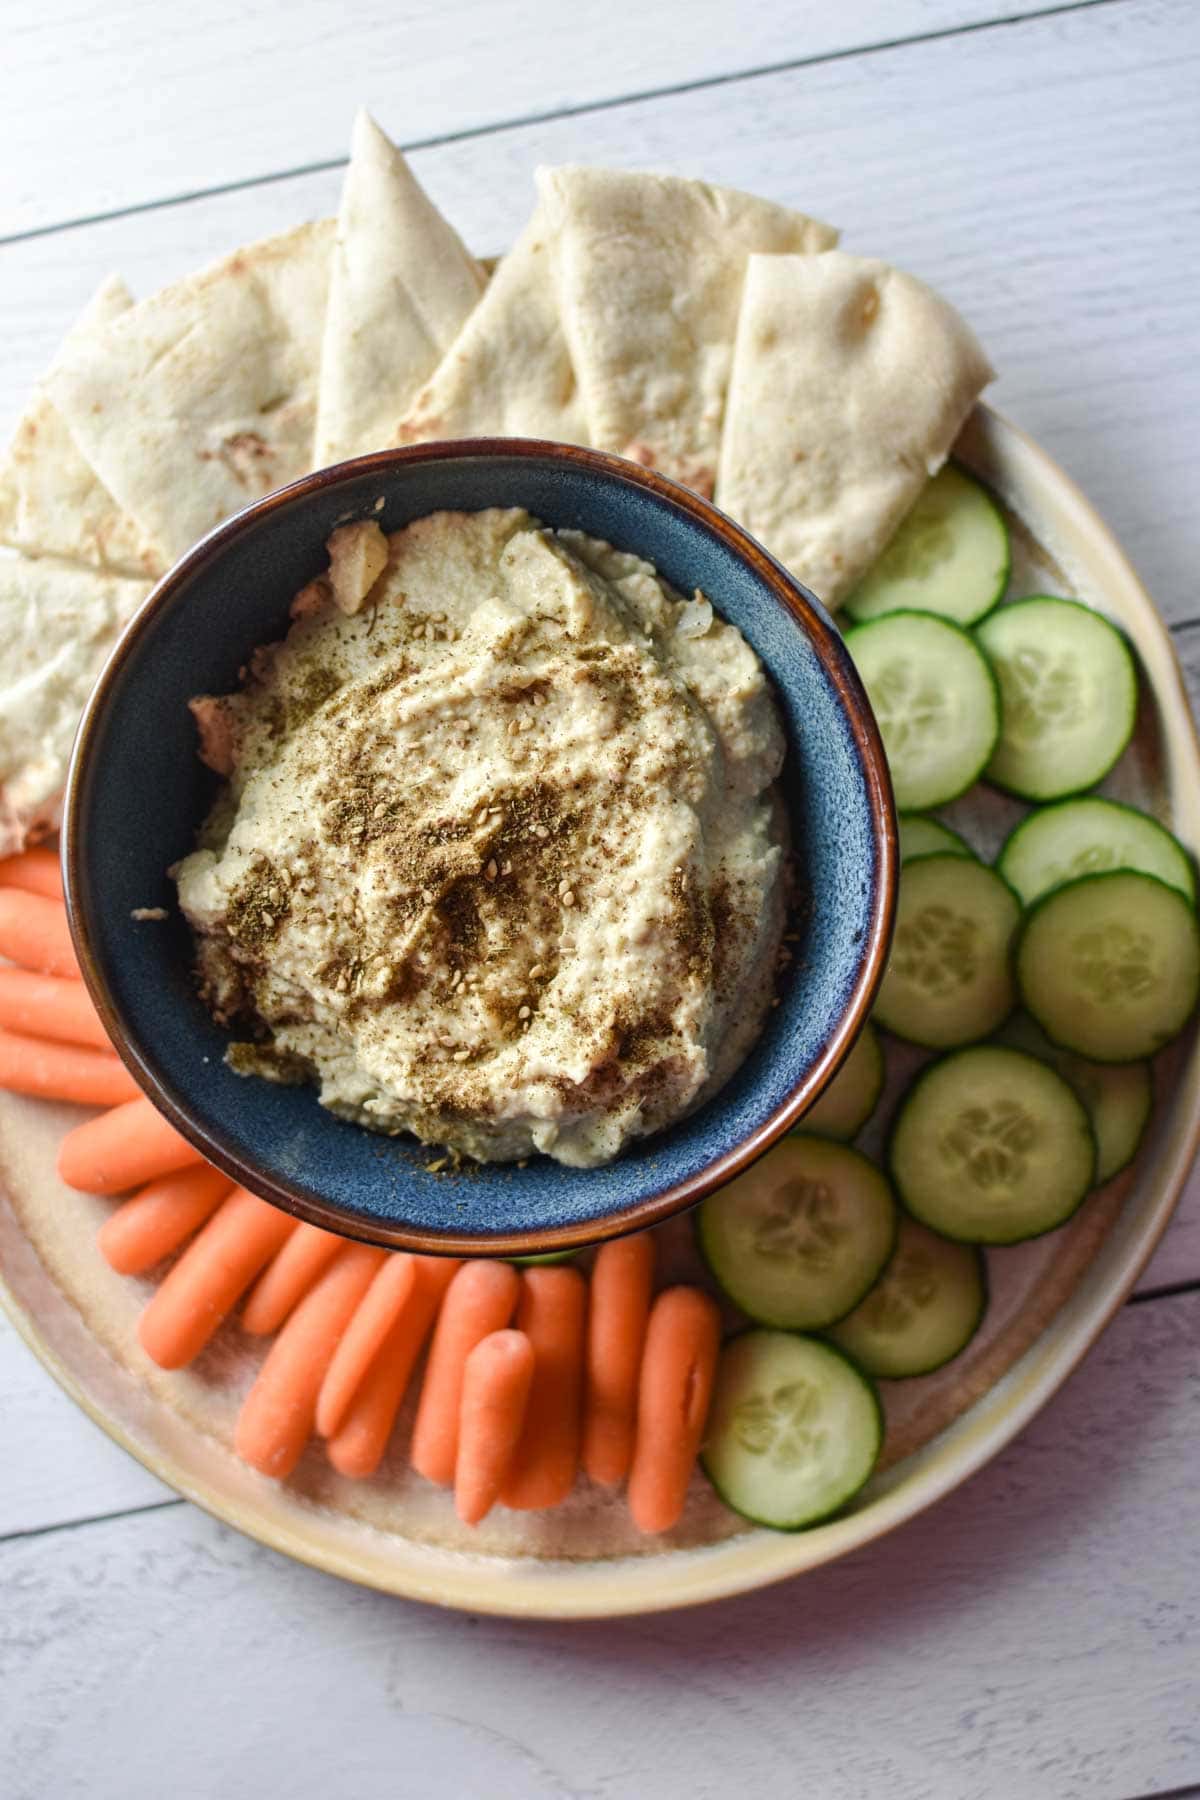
pixel 849 1328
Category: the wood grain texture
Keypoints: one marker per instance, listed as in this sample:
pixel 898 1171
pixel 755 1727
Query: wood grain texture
pixel 1042 174
pixel 132 103
pixel 56 1467
pixel 1037 1635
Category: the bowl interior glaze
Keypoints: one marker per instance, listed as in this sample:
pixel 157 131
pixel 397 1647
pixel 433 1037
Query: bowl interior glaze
pixel 137 793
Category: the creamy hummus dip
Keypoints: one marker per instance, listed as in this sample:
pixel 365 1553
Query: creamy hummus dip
pixel 499 861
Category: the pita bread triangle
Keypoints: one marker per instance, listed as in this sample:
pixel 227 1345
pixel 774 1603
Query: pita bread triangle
pixel 850 383
pixel 509 372
pixel 58 623
pixel 52 502
pixel 204 396
pixel 401 286
pixel 650 271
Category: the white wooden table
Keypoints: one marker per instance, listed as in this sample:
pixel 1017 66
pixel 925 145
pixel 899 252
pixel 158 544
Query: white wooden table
pixel 1038 1635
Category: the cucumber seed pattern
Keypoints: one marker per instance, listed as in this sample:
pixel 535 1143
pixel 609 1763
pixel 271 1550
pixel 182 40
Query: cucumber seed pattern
pixel 937 951
pixel 909 709
pixel 1040 696
pixel 1113 962
pixel 990 1145
pixel 1093 859
pixel 909 1286
pixel 801 1223
pixel 782 1425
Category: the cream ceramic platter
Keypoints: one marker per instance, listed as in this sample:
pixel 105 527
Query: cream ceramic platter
pixel 1050 1298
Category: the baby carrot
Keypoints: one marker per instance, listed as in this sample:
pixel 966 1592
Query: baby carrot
pixel 389 1295
pixel 479 1300
pixel 277 1416
pixel 382 1304
pixel 497 1377
pixel 63 1072
pixel 47 1006
pixel 361 1439
pixel 280 1288
pixel 37 871
pixel 214 1270
pixel 34 933
pixel 551 1314
pixel 678 1366
pixel 618 1305
pixel 122 1149
pixel 156 1221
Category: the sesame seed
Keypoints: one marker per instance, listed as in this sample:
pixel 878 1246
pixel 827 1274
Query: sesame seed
pixel 427 896
pixel 568 899
pixel 492 870
pixel 506 868
pixel 540 831
pixel 564 888
pixel 522 1012
pixel 535 971
pixel 461 1055
pixel 380 808
pixel 268 920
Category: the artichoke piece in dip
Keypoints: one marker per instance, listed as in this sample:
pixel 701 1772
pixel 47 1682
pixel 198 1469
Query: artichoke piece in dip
pixel 499 860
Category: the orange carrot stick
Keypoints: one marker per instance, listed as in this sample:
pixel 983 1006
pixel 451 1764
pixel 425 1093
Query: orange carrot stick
pixel 361 1439
pixel 47 1006
pixel 552 1316
pixel 63 1072
pixel 280 1288
pixel 34 933
pixel 155 1222
pixel 497 1378
pixel 682 1340
pixel 276 1420
pixel 37 871
pixel 479 1300
pixel 386 1299
pixel 618 1306
pixel 122 1149
pixel 206 1282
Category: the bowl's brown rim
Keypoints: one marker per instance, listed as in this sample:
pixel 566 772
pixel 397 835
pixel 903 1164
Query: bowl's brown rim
pixel 732 1162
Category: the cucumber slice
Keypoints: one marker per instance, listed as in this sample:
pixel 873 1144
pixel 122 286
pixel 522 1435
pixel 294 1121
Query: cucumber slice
pixel 794 1430
pixel 951 556
pixel 850 1098
pixel 1119 1097
pixel 1088 837
pixel 949 979
pixel 924 1309
pixel 991 1147
pixel 547 1256
pixel 936 701
pixel 922 836
pixel 1109 965
pixel 1069 693
pixel 798 1239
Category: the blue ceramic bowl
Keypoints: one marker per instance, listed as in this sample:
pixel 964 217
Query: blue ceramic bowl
pixel 137 792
